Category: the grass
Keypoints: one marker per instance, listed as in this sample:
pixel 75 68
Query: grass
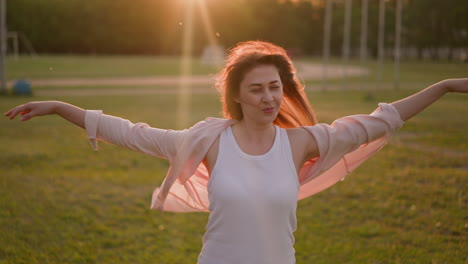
pixel 53 66
pixel 50 67
pixel 61 202
pixel 411 72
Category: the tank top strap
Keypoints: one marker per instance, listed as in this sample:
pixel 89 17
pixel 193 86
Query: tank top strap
pixel 287 153
pixel 224 147
pixel 284 141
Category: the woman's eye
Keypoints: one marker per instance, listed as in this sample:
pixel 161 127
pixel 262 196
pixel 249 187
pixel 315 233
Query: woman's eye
pixel 275 87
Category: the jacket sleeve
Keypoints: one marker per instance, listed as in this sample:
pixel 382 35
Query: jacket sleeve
pixel 140 136
pixel 345 144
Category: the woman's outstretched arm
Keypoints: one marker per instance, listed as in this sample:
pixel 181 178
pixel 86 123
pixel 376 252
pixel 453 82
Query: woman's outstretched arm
pixel 412 105
pixel 350 132
pixel 29 110
pixel 140 137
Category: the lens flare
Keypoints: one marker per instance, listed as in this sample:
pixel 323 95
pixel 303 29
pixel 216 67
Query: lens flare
pixel 185 85
pixel 185 89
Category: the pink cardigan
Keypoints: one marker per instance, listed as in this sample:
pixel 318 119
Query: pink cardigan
pixel 343 146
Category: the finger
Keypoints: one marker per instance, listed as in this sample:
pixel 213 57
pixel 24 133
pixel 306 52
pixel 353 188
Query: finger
pixel 10 111
pixel 25 117
pixel 16 111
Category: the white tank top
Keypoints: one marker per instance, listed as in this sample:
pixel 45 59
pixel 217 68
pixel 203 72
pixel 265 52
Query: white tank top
pixel 253 202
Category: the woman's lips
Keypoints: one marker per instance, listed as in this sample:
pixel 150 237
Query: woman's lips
pixel 269 110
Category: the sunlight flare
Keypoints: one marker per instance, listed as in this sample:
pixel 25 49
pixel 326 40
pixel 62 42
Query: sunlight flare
pixel 209 31
pixel 185 88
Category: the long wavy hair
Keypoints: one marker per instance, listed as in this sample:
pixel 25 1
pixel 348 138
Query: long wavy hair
pixel 295 110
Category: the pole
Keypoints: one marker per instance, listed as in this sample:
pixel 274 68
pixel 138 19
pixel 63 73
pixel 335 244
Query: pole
pixel 3 46
pixel 14 36
pixel 381 47
pixel 396 82
pixel 326 43
pixel 347 29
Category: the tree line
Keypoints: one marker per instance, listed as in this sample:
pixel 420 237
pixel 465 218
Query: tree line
pixel 156 26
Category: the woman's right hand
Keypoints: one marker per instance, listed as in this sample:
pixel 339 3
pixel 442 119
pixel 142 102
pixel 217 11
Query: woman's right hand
pixel 33 109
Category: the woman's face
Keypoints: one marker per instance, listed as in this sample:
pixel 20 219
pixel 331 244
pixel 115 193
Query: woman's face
pixel 261 94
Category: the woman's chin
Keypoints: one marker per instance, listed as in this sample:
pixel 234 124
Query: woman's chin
pixel 269 118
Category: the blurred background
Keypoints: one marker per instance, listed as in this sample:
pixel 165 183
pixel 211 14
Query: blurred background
pixel 373 35
pixel 431 29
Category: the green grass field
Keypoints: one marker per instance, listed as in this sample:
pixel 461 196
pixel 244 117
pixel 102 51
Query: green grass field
pixel 44 67
pixel 62 202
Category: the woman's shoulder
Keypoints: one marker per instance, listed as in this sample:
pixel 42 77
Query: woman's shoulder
pixel 299 134
pixel 210 126
pixel 215 121
pixel 301 140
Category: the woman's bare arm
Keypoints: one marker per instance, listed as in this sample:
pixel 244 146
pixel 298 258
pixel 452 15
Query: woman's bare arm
pixel 140 136
pixel 412 105
pixel 350 132
pixel 29 110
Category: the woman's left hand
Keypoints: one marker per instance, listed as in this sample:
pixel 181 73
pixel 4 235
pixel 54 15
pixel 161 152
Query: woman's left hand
pixel 456 85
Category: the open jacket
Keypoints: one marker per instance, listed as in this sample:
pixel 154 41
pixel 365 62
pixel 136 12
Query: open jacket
pixel 343 146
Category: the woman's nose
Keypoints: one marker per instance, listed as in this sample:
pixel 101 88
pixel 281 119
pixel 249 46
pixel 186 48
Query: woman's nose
pixel 267 97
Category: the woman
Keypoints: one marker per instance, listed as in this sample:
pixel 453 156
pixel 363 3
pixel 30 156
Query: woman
pixel 249 169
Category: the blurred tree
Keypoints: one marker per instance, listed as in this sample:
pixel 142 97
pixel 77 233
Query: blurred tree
pixel 155 26
pixel 440 24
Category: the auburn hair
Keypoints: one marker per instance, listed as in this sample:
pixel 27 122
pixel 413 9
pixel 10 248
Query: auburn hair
pixel 295 110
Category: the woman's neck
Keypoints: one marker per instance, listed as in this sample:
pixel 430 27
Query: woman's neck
pixel 254 132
